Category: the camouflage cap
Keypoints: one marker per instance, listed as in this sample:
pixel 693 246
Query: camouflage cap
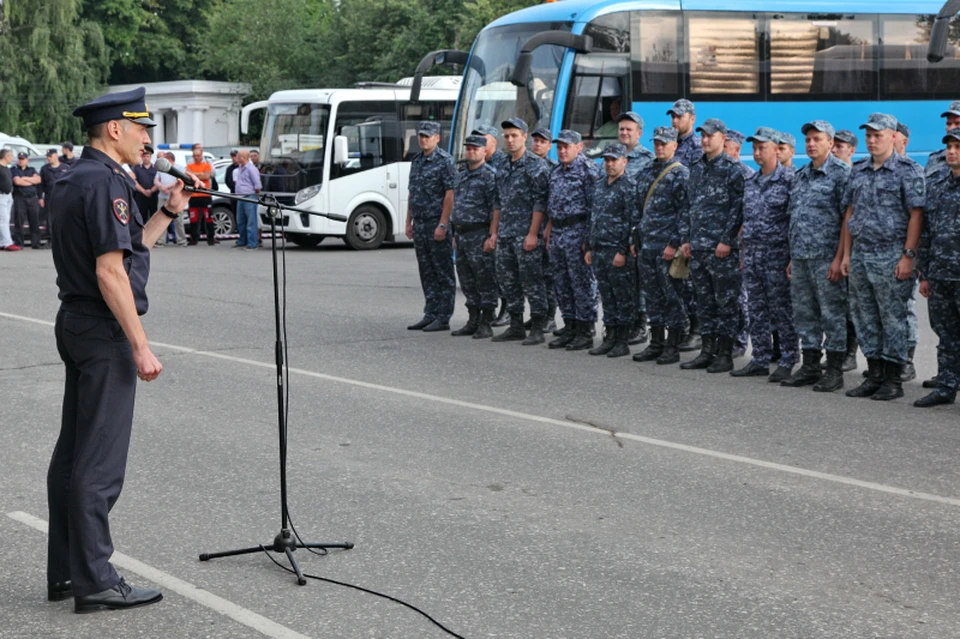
pixel 765 134
pixel 786 138
pixel 953 110
pixel 880 121
pixel 614 151
pixel 428 127
pixel 542 132
pixel 952 134
pixel 475 140
pixel 903 130
pixel 681 107
pixel 567 136
pixel 818 125
pixel 711 126
pixel 486 129
pixel 631 115
pixel 847 137
pixel 515 123
pixel 735 136
pixel 665 134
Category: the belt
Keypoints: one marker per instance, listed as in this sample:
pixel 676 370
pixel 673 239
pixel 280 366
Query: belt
pixel 564 222
pixel 470 227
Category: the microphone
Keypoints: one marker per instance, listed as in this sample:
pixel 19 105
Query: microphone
pixel 165 166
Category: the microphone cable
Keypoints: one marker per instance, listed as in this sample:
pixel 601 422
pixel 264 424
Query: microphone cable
pixel 286 419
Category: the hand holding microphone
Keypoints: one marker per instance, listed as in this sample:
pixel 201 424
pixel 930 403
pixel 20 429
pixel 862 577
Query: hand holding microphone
pixel 189 180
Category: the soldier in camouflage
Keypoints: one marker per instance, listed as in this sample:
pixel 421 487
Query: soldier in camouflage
pixel 900 141
pixel 568 207
pixel 817 287
pixel 433 176
pixel 541 144
pixel 766 254
pixel 937 160
pixel 523 188
pixel 683 117
pixel 845 144
pixel 732 146
pixel 709 235
pixel 475 217
pixel 940 271
pixel 495 158
pixel 884 208
pixel 608 251
pixel 662 201
pixel 786 149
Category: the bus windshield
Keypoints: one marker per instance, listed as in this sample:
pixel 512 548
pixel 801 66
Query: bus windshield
pixel 292 147
pixel 489 98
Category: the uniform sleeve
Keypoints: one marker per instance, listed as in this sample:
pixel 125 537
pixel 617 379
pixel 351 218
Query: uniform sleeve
pixel 736 208
pixel 843 183
pixel 914 187
pixel 540 187
pixel 926 240
pixel 628 205
pixel 449 178
pixel 683 227
pixel 847 200
pixel 109 214
pixel 590 186
pixel 680 203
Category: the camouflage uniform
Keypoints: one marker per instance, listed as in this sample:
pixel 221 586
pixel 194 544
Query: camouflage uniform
pixel 638 158
pixel 816 218
pixel 431 176
pixel 475 200
pixel 659 226
pixel 523 189
pixel 881 200
pixel 569 206
pixel 498 160
pixel 611 222
pixel 689 149
pixel 766 254
pixel 715 195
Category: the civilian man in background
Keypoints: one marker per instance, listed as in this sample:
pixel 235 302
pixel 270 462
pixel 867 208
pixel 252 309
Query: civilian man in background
pixel 246 181
pixel 165 183
pixel 200 202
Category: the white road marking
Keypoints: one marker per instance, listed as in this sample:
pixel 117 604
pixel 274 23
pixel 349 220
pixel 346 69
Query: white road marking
pixel 186 589
pixel 650 441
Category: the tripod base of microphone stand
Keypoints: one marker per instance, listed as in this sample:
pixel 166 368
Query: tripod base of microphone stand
pixel 284 542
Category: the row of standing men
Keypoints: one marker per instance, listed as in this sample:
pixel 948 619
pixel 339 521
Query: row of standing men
pixel 805 261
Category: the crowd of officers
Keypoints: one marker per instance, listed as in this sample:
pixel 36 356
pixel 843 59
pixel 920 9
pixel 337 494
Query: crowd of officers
pixel 23 194
pixel 704 249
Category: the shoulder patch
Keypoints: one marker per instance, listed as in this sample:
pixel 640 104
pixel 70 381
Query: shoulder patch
pixel 918 186
pixel 122 210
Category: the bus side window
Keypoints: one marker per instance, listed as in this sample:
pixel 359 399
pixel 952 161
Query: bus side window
pixel 724 54
pixel 656 55
pixel 362 123
pixel 904 70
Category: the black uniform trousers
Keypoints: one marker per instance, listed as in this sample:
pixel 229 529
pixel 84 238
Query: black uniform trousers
pixel 89 461
pixel 26 209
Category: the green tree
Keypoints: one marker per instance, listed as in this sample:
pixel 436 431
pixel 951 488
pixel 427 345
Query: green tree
pixel 54 61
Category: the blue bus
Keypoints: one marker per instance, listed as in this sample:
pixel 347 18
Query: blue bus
pixel 578 63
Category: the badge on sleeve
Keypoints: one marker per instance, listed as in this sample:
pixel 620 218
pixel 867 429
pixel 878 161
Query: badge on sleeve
pixel 918 186
pixel 122 210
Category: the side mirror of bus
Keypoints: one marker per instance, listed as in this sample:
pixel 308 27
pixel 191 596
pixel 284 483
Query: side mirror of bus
pixel 341 150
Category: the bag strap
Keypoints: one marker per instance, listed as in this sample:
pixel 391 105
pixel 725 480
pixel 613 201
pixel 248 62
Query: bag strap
pixel 662 175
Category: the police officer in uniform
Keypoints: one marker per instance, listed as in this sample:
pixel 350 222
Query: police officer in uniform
pixel 662 201
pixel 475 218
pixel 845 144
pixel 940 271
pixel 817 288
pixel 568 207
pixel 26 201
pixel 884 213
pixel 541 143
pixel 433 176
pixel 709 235
pixel 496 159
pixel 786 149
pixel 102 258
pixel 765 251
pixel 732 147
pixel 630 130
pixel 523 187
pixel 683 117
pixel 608 250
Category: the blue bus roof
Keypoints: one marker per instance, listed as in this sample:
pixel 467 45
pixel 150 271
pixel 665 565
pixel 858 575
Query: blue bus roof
pixel 584 10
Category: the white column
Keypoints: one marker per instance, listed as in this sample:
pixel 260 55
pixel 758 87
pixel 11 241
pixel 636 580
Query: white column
pixel 198 126
pixel 159 131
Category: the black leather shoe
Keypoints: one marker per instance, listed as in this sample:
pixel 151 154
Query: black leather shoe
pixel 753 369
pixel 59 590
pixel 436 326
pixel 419 326
pixel 936 398
pixel 120 596
pixel 781 374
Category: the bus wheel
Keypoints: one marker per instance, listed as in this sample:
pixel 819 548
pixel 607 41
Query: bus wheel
pixel 366 229
pixel 301 239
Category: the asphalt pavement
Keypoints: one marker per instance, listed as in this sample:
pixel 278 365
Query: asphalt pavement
pixel 507 491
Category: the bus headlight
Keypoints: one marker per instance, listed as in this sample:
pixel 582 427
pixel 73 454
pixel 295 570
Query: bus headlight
pixel 305 194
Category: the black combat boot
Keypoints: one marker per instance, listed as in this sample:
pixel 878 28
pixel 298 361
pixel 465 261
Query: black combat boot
pixel 583 336
pixel 513 334
pixel 621 346
pixel 707 354
pixel 419 326
pixel 655 349
pixel 872 383
pixel 691 339
pixel 752 369
pixel 567 336
pixel 550 324
pixel 637 334
pixel 503 317
pixel 483 326
pixel 780 375
pixel 832 379
pixel 472 323
pixel 671 354
pixel 809 371
pixel 566 329
pixel 936 398
pixel 892 386
pixel 909 370
pixel 775 337
pixel 723 362
pixel 609 341
pixel 537 322
pixel 850 358
pixel 930 383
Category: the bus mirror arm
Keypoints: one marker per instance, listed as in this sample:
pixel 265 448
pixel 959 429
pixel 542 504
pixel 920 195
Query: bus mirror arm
pixel 579 43
pixel 940 32
pixel 444 56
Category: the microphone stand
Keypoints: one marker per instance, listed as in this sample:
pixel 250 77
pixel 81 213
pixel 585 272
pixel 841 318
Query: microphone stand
pixel 286 541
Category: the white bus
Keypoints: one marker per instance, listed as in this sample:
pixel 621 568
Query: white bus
pixel 347 151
